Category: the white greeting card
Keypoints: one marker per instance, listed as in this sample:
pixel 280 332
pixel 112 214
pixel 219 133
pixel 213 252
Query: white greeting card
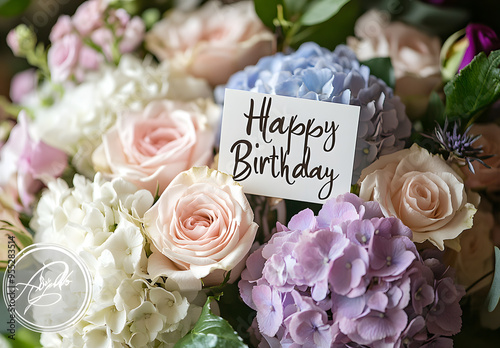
pixel 288 147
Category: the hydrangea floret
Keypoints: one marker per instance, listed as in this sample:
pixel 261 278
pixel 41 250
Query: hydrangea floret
pixel 349 277
pixel 313 72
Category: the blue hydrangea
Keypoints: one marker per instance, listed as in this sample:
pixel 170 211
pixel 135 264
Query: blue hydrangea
pixel 313 72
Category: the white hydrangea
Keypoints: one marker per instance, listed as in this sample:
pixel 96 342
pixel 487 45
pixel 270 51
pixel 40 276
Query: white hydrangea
pixel 101 221
pixel 75 122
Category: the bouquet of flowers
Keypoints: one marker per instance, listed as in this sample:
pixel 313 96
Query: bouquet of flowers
pixel 109 153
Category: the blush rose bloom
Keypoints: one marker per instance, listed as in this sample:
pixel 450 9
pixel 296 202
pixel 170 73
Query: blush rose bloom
pixel 424 192
pixel 415 56
pixel 200 227
pixel 151 147
pixel 486 178
pixel 212 42
pixel 63 56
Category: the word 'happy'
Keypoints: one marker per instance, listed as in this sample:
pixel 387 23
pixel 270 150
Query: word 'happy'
pixel 277 162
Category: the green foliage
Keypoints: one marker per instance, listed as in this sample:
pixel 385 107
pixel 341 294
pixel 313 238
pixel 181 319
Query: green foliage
pixel 267 10
pixel 296 21
pixel 10 8
pixel 494 293
pixel 476 87
pixel 23 238
pixel 211 331
pixel 319 11
pixel 382 68
pixel 24 338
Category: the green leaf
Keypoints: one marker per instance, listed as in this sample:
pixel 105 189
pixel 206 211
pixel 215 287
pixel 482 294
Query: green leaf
pixel 333 32
pixel 294 6
pixel 476 87
pixel 382 68
pixel 494 293
pixel 10 8
pixel 267 10
pixel 319 11
pixel 211 331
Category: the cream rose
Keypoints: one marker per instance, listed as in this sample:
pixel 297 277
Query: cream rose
pixel 212 42
pixel 201 226
pixel 423 191
pixel 486 178
pixel 151 147
pixel 476 256
pixel 414 56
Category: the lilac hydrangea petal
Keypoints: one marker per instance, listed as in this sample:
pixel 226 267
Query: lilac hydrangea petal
pixel 269 309
pixel 305 220
pixel 378 325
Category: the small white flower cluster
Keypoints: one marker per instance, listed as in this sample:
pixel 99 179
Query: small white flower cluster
pixel 101 221
pixel 75 122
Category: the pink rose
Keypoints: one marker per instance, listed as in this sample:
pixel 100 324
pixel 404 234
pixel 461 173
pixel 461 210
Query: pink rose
pixel 22 83
pixel 212 42
pixel 89 16
pixel 486 178
pixel 200 227
pixel 63 57
pixel 31 162
pixel 103 37
pixel 424 192
pixel 414 56
pixel 132 35
pixel 63 27
pixel 150 148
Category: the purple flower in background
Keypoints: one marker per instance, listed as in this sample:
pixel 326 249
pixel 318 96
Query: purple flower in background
pixel 481 39
pixel 349 277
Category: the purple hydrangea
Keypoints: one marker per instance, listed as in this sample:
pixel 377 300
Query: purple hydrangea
pixel 349 277
pixel 313 72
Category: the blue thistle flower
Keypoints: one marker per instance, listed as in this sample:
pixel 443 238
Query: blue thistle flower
pixel 456 145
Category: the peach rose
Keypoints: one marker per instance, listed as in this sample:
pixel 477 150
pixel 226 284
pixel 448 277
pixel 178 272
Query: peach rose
pixel 200 227
pixel 151 147
pixel 486 178
pixel 476 256
pixel 423 191
pixel 212 42
pixel 414 56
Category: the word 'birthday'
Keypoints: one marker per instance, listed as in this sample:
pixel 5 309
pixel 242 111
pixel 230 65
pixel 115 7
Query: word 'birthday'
pixel 277 163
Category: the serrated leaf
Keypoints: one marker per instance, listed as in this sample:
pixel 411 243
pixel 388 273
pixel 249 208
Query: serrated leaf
pixel 211 331
pixel 382 68
pixel 10 8
pixel 319 11
pixel 267 10
pixel 476 87
pixel 494 293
